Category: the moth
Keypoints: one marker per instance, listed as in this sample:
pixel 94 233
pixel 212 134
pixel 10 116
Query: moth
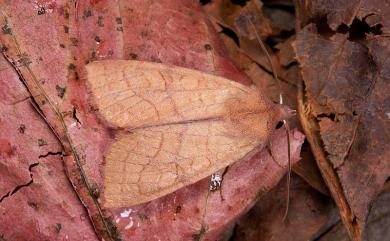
pixel 174 126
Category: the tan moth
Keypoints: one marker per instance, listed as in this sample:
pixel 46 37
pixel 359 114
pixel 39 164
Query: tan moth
pixel 174 126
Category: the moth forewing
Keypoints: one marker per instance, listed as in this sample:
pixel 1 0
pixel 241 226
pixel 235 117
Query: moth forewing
pixel 175 126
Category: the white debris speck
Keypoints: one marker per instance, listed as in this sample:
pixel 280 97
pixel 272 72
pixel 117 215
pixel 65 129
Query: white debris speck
pixel 138 224
pixel 388 115
pixel 126 213
pixel 215 182
pixel 45 7
pixel 72 125
pixel 117 220
pixel 130 224
pixel 216 178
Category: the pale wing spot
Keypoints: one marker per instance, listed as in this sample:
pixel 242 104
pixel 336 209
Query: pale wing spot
pixel 108 104
pixel 192 145
pixel 99 85
pixel 188 101
pixel 147 106
pixel 136 143
pixel 112 176
pixel 199 130
pixel 159 177
pixel 132 179
pixel 113 76
pixel 167 179
pixel 200 165
pixel 170 146
pixel 170 106
pixel 115 93
pixel 122 152
pixel 185 165
pixel 138 78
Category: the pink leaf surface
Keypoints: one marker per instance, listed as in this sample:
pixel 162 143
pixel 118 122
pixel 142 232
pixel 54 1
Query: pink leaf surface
pixel 37 201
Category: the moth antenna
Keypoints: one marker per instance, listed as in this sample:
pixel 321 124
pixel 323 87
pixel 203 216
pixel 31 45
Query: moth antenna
pixel 273 70
pixel 287 128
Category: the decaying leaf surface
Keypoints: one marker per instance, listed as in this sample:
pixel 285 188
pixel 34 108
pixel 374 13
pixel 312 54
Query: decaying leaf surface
pixel 377 223
pixel 344 12
pixel 358 18
pixel 36 199
pixel 309 211
pixel 242 22
pixel 348 102
pixel 47 45
pixel 284 61
pixel 239 19
pixel 236 17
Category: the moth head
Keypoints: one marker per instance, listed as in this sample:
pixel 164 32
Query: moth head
pixel 284 112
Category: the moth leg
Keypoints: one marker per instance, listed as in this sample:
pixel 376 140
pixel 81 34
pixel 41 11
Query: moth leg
pixel 223 176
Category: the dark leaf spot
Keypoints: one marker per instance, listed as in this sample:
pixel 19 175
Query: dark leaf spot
pixel 75 41
pixel 41 10
pixel 60 91
pixel 42 142
pixel 6 29
pixel 57 227
pixel 133 56
pixel 230 33
pixel 33 205
pixel 87 13
pixel 178 209
pixel 208 47
pixel 198 236
pixel 71 66
pixel 100 21
pixel 22 129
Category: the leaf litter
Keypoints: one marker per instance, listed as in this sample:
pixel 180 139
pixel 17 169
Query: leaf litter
pixel 347 114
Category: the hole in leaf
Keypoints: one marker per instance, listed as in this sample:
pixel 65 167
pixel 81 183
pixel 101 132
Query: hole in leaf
pixel 271 41
pixel 239 2
pixel 74 115
pixel 358 29
pixel 323 27
pixel 325 115
pixel 281 5
pixel 230 33
pixel 204 2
